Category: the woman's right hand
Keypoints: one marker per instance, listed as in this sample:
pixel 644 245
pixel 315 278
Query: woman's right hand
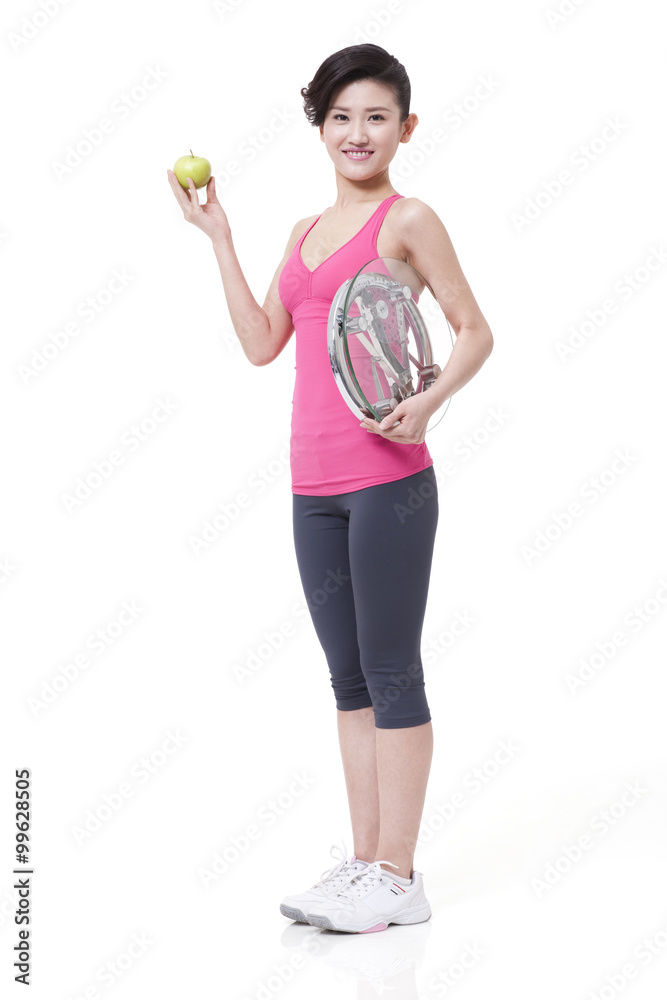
pixel 210 216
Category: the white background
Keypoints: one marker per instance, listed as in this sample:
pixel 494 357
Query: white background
pixel 167 336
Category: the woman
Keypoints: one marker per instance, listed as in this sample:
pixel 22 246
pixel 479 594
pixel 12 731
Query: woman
pixel 364 566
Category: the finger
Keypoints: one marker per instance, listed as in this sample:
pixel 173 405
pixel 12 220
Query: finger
pixel 210 190
pixel 396 414
pixel 388 423
pixel 194 196
pixel 182 196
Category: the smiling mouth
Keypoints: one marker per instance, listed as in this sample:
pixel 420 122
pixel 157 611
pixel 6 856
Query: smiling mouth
pixel 358 154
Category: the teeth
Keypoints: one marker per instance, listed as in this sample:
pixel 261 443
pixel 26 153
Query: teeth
pixel 357 155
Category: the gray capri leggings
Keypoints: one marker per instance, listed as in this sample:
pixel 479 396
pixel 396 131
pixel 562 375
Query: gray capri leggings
pixel 365 562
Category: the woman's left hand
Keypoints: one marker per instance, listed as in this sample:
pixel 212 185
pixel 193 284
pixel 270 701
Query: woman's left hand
pixel 413 415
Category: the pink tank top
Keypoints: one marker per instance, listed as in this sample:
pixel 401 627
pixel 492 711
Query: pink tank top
pixel 329 452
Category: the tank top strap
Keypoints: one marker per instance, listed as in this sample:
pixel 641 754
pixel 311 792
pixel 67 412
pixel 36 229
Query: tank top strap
pixel 378 218
pixel 297 245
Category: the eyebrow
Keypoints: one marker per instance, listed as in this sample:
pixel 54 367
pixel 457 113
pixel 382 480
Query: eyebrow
pixel 337 107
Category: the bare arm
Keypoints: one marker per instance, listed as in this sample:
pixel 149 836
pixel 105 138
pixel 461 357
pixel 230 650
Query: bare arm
pixel 264 330
pixel 429 249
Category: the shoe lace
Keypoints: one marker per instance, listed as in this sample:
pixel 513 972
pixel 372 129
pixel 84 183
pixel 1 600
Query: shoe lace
pixel 357 884
pixel 336 870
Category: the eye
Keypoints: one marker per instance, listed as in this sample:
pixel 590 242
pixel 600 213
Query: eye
pixel 341 115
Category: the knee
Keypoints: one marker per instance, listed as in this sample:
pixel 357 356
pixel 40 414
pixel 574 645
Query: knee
pixel 350 690
pixel 411 723
pixel 399 698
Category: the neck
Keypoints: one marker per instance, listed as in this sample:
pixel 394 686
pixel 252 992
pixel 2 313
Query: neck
pixel 350 193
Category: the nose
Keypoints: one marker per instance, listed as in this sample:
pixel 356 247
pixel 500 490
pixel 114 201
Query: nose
pixel 358 135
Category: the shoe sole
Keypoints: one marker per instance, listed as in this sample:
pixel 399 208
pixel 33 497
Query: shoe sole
pixel 289 911
pixel 416 916
pixel 293 913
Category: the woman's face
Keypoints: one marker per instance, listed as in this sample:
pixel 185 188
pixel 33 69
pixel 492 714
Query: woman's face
pixel 362 129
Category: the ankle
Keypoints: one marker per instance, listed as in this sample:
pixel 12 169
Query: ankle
pixel 404 869
pixel 364 855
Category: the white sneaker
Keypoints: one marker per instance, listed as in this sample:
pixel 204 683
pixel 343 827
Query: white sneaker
pixel 295 906
pixel 370 901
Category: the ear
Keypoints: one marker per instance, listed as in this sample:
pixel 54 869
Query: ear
pixel 409 125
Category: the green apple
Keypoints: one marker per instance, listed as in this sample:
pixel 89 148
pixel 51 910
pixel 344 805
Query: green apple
pixel 196 167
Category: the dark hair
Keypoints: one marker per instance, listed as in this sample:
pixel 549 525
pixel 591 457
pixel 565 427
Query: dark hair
pixel 356 62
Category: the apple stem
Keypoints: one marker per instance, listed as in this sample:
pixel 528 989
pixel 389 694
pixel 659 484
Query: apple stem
pixel 191 153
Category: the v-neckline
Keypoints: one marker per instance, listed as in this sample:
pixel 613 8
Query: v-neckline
pixel 300 243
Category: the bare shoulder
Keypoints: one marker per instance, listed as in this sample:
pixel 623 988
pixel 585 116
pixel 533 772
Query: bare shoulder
pixel 299 229
pixel 412 214
pixel 428 248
